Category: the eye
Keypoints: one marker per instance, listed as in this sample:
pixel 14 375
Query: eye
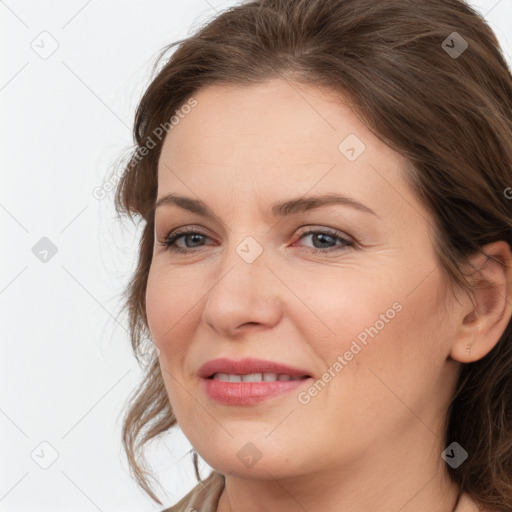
pixel 321 236
pixel 169 243
pixel 326 236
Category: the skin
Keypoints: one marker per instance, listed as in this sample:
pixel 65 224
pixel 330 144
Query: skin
pixel 372 438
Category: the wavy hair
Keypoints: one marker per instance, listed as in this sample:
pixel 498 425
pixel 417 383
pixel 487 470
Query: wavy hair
pixel 448 112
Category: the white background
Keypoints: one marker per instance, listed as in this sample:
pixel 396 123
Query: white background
pixel 66 362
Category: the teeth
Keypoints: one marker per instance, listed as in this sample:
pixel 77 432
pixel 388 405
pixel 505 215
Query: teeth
pixel 254 377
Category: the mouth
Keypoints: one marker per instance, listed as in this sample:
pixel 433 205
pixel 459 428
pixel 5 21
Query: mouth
pixel 256 377
pixel 249 381
pixel 249 370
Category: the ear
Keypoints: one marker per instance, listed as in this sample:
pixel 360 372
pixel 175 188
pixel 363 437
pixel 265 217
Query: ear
pixel 483 320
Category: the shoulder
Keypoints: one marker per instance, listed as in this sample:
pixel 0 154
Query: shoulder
pixel 204 497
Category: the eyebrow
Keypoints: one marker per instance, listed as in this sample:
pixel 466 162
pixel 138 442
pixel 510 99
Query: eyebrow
pixel 278 209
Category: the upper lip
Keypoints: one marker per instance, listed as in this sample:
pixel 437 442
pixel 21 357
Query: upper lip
pixel 247 366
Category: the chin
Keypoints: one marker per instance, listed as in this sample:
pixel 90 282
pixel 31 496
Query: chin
pixel 247 462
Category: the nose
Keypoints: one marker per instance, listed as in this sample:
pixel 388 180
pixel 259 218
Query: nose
pixel 245 296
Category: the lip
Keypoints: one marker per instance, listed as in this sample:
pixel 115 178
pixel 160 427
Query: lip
pixel 248 393
pixel 247 365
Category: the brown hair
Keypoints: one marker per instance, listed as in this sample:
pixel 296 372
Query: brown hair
pixel 449 114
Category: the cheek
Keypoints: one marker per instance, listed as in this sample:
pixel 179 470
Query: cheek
pixel 158 297
pixel 401 352
pixel 375 325
pixel 166 312
pixel 168 302
pixel 338 306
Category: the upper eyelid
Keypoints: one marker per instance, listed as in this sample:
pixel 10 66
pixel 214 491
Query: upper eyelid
pixel 204 231
pixel 331 202
pixel 302 231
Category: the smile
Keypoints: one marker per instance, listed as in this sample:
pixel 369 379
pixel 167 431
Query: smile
pixel 249 381
pixel 255 377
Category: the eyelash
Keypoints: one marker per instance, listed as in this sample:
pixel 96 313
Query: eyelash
pixel 169 243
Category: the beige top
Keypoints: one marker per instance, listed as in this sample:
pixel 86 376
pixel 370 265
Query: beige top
pixel 204 497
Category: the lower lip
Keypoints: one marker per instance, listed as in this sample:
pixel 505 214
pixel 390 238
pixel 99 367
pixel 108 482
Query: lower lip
pixel 248 393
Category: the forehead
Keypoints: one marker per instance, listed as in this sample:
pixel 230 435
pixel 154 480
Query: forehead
pixel 275 137
pixel 277 119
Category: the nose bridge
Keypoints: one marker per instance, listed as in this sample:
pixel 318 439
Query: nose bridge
pixel 246 238
pixel 242 267
pixel 242 293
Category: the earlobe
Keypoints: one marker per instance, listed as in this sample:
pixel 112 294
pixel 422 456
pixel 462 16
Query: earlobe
pixel 484 319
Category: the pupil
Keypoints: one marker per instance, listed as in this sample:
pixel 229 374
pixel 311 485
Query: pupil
pixel 323 235
pixel 196 236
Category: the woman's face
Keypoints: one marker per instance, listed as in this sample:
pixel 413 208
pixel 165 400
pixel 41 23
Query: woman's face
pixel 364 316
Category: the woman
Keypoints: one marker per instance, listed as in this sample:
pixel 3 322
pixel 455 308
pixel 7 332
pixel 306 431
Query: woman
pixel 325 264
